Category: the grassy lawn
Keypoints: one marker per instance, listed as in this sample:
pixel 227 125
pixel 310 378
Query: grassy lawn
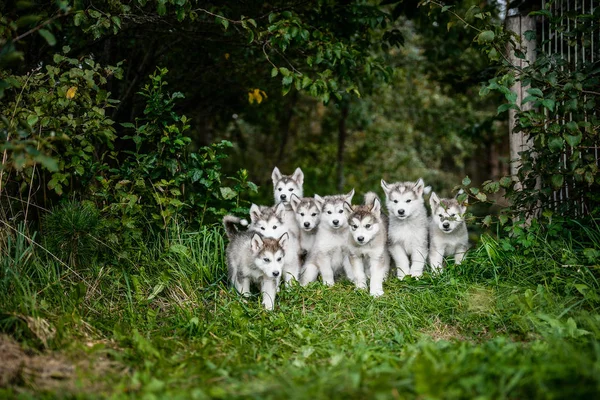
pixel 516 320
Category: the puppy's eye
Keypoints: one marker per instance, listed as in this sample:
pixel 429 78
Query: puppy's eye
pixel 280 189
pixel 354 226
pixel 341 211
pixel 274 226
pixel 302 214
pixel 291 189
pixel 263 228
pixel 453 215
pixel 266 259
pixel 328 212
pixel 395 201
pixel 408 201
pixel 441 216
pixel 367 226
pixel 313 214
pixel 279 259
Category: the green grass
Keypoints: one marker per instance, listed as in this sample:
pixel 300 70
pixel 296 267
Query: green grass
pixel 516 320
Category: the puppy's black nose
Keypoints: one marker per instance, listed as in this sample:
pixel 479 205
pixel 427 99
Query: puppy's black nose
pixel 335 222
pixel 275 273
pixel 283 196
pixel 446 225
pixel 307 224
pixel 360 239
pixel 401 211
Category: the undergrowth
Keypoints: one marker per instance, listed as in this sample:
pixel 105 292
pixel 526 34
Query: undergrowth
pixel 519 319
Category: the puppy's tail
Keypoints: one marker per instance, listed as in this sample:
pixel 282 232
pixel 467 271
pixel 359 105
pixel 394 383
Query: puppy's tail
pixel 370 198
pixel 230 223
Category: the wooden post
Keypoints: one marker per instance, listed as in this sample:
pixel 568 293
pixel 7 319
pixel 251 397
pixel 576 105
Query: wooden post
pixel 518 140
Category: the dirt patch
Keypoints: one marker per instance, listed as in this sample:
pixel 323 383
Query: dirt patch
pixel 27 370
pixel 441 331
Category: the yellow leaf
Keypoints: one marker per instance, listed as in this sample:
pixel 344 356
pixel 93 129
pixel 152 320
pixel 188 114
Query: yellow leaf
pixel 227 56
pixel 250 97
pixel 71 92
pixel 258 96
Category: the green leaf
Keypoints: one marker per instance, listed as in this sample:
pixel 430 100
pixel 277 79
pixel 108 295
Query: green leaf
pixel 274 72
pixel 481 196
pixel 46 34
pixel 573 140
pixel 506 181
pixel 507 106
pixel 556 144
pixel 549 104
pixel 227 193
pixel 535 92
pixel 557 181
pixel 485 37
pixel 466 181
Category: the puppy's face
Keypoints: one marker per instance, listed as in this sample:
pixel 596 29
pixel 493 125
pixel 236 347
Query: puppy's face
pixel 447 214
pixel 268 221
pixel 269 255
pixel 363 228
pixel 284 186
pixel 308 215
pixel 403 199
pixel 333 212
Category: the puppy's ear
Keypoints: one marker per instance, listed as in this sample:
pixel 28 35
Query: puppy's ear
pixel 298 176
pixel 319 201
pixel 376 208
pixel 434 201
pixel 348 207
pixel 295 201
pixel 419 187
pixel 349 196
pixel 280 211
pixel 385 187
pixel 276 176
pixel 255 213
pixel 283 240
pixel 256 243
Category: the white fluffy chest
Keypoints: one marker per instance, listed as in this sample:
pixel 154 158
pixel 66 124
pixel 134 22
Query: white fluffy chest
pixel 409 234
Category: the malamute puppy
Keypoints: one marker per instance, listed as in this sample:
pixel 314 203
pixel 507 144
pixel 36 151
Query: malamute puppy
pixel 308 217
pixel 448 234
pixel 368 244
pixel 408 223
pixel 284 186
pixel 330 250
pixel 270 222
pixel 252 257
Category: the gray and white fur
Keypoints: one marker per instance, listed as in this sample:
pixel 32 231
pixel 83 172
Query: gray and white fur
pixel 270 222
pixel 284 186
pixel 448 235
pixel 407 227
pixel 308 217
pixel 368 244
pixel 252 257
pixel 329 253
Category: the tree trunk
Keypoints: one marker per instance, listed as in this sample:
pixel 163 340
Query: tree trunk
pixel 342 134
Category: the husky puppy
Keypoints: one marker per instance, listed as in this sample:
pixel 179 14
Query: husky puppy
pixel 448 234
pixel 270 222
pixel 368 243
pixel 330 250
pixel 408 223
pixel 284 186
pixel 254 258
pixel 308 217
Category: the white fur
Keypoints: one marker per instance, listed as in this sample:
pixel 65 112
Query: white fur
pixel 368 245
pixel 448 231
pixel 308 217
pixel 330 251
pixel 250 261
pixel 284 187
pixel 408 225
